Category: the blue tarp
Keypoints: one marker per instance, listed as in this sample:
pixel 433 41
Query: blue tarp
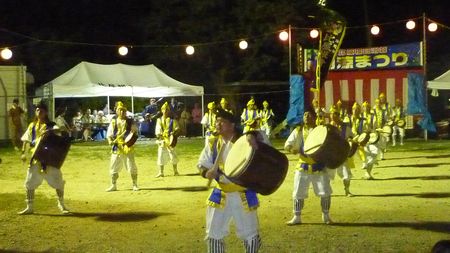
pixel 416 101
pixel 296 100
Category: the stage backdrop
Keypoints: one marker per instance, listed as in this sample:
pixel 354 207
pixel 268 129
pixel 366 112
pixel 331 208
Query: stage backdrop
pixel 360 86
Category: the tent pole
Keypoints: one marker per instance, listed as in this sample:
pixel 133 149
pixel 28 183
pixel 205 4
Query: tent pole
pixel 132 101
pixel 53 104
pixel 424 58
pixel 203 113
pixel 107 103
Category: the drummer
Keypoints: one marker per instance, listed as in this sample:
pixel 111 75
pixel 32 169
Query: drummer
pixel 380 119
pixel 267 116
pixel 209 121
pixel 398 115
pixel 37 171
pixel 371 153
pixel 385 106
pixel 344 171
pixel 361 121
pixel 225 105
pixel 319 112
pixel 121 154
pixel 228 200
pixel 341 111
pixel 166 127
pixel 308 172
pixel 250 117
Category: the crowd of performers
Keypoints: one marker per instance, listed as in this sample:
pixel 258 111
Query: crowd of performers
pixel 365 126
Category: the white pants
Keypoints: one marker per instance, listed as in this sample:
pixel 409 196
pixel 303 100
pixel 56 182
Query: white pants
pixel 400 130
pixel 166 154
pixel 371 152
pixel 118 160
pixel 320 182
pixel 218 220
pixel 266 128
pixel 52 175
pixel 344 171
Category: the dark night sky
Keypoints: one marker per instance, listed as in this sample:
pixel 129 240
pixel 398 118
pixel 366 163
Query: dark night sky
pixel 178 22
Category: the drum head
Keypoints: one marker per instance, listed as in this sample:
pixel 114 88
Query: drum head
pixel 387 131
pixel 315 139
pixel 374 137
pixel 363 138
pixel 238 157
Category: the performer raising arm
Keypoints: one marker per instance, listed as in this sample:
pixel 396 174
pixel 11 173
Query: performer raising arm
pixel 37 171
pixel 227 199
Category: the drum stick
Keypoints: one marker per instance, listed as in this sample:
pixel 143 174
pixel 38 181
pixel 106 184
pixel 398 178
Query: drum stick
pixel 215 167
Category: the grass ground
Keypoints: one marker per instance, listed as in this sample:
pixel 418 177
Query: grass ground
pixel 406 209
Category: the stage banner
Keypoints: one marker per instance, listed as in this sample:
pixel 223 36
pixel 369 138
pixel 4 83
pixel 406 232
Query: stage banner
pixel 384 57
pixel 296 100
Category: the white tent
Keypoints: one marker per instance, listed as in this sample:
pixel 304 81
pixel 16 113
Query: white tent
pixel 440 83
pixel 118 80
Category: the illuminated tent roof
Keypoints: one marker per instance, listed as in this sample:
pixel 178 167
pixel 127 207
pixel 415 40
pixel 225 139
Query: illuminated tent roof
pixel 440 83
pixel 118 80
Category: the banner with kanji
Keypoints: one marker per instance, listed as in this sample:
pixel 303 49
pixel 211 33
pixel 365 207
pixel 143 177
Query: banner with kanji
pixel 384 57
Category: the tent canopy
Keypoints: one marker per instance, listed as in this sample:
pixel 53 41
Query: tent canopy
pixel 119 80
pixel 440 83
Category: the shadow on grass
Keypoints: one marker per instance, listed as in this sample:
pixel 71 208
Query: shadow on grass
pixel 417 195
pixel 422 156
pixel 113 217
pixel 184 188
pixel 435 226
pixel 444 177
pixel 420 165
pixel 191 175
pixel 21 251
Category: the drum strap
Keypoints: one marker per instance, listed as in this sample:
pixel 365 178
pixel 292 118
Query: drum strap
pixel 115 130
pixel 170 126
pixel 360 126
pixel 344 130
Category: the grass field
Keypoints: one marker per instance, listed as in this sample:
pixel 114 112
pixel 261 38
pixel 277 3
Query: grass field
pixel 406 209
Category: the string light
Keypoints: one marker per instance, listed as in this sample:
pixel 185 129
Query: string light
pixel 314 33
pixel 432 27
pixel 243 44
pixel 375 30
pixel 6 53
pixel 190 50
pixel 283 36
pixel 123 50
pixel 410 24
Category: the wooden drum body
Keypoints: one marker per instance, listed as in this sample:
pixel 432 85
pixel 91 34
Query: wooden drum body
pixel 52 149
pixel 325 145
pixel 130 139
pixel 262 170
